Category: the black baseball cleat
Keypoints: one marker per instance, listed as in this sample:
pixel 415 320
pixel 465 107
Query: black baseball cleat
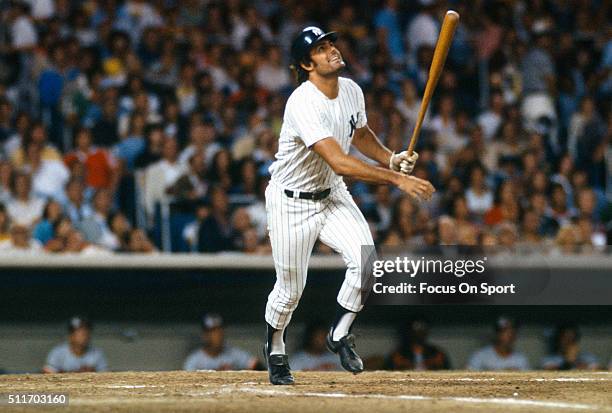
pixel 278 368
pixel 345 348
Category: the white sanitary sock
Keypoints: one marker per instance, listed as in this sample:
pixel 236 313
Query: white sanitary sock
pixel 277 346
pixel 344 325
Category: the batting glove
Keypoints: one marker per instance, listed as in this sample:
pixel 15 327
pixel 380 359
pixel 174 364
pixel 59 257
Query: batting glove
pixel 402 162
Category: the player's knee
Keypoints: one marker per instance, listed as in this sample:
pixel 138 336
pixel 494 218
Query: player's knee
pixel 293 298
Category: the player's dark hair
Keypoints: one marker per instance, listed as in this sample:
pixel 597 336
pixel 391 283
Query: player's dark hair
pixel 301 75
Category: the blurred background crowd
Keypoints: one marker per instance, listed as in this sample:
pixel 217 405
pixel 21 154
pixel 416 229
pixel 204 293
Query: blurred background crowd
pixel 144 126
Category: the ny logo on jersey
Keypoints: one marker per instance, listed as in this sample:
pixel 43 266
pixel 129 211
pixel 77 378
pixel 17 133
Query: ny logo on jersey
pixel 353 124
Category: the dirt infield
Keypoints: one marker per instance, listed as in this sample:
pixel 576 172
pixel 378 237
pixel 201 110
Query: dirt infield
pixel 320 392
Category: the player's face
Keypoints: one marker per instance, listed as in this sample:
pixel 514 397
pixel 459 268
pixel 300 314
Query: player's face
pixel 214 338
pixel 326 58
pixel 506 337
pixel 80 337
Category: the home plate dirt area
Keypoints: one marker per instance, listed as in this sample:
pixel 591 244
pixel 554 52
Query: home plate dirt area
pixel 319 392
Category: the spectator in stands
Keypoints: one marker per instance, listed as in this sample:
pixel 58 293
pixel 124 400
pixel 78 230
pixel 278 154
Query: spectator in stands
pixel 20 241
pixel 241 224
pixel 501 355
pixel 530 236
pixel 5 224
pixel 447 231
pixel 272 74
pixel 215 354
pixel 121 229
pixel 490 120
pixel 6 173
pixel 106 129
pixel 191 230
pixel 507 236
pixel 415 352
pixel 478 196
pixel 76 244
pixel 160 176
pixel 548 226
pixel 246 191
pixel 423 29
pixel 559 209
pixel 23 32
pixel 191 186
pixel 461 216
pixel 220 170
pixel 24 208
pixel 96 228
pixel 565 352
pixel 37 135
pixel 214 233
pixel 443 124
pixel 48 175
pixel 99 165
pixel 153 147
pixel 43 231
pixel 137 241
pixel 567 241
pixel 314 356
pixel 76 354
pixel 402 227
pixel 75 206
pixel 61 229
pixel 6 129
pixel 507 144
pixel 21 129
pixel 579 122
pixel 506 206
pixel 132 145
pixel 538 70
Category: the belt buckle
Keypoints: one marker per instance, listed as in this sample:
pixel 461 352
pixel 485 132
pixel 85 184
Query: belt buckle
pixel 296 194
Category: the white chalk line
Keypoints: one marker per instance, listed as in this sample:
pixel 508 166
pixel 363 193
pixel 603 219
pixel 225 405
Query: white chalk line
pixel 557 379
pixel 416 379
pixel 475 400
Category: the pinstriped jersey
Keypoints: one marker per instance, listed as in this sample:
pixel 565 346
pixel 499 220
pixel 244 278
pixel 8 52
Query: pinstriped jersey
pixel 309 117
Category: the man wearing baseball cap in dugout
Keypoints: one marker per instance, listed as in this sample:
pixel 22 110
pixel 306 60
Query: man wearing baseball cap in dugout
pixel 76 354
pixel 215 354
pixel 501 354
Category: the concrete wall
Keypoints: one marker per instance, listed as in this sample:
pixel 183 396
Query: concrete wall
pixel 23 347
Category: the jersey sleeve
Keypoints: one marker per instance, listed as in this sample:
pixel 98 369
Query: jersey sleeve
pixel 475 362
pixel 523 363
pixel 242 360
pixel 309 120
pixel 191 363
pixel 101 364
pixel 52 363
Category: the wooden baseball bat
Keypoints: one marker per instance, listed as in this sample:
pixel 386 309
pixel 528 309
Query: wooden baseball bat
pixel 451 19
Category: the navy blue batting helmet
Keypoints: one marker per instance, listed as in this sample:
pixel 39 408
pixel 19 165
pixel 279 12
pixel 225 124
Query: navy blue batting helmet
pixel 300 48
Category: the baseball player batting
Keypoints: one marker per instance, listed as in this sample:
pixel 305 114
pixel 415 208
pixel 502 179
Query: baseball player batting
pixel 307 198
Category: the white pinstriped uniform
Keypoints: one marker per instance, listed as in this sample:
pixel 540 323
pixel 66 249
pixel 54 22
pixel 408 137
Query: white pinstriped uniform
pixel 296 224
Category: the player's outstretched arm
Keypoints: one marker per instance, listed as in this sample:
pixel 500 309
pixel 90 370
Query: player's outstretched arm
pixel 346 165
pixel 366 141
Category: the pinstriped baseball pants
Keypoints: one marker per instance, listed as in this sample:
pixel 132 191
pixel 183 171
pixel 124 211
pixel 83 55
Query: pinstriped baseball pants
pixel 294 226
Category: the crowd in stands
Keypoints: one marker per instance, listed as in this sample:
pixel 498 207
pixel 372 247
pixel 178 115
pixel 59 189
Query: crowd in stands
pixel 139 126
pixel 414 351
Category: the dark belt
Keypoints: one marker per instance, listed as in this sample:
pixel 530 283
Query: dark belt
pixel 313 196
